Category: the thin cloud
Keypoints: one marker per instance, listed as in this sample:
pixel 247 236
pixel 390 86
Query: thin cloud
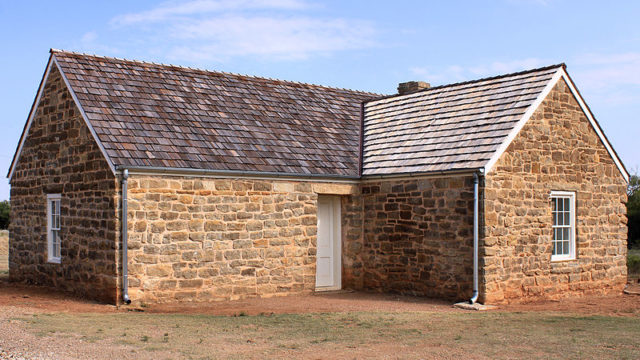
pixel 206 30
pixel 295 38
pixel 172 10
pixel 604 71
pixel 610 79
pixel 456 73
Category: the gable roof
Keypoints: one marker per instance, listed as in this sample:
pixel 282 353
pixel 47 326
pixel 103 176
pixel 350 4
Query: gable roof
pixel 151 115
pixel 445 128
pixel 182 120
pixel 458 127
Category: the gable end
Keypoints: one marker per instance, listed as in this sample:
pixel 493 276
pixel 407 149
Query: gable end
pixel 561 74
pixel 34 109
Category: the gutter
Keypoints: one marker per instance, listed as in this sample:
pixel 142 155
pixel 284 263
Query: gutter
pixel 417 174
pixel 125 258
pixel 476 195
pixel 231 173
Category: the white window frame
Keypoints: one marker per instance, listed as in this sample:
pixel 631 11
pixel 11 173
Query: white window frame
pixel 53 229
pixel 572 226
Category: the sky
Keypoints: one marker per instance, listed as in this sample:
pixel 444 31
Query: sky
pixel 363 45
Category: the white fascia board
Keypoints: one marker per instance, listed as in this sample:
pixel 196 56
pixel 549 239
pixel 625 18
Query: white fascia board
pixel 595 125
pixel 32 114
pixel 34 108
pixel 527 115
pixel 560 74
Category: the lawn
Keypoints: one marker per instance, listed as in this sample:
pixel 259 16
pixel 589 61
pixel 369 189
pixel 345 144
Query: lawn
pixel 356 334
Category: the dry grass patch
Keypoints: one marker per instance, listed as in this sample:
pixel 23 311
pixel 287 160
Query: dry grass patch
pixel 4 253
pixel 361 334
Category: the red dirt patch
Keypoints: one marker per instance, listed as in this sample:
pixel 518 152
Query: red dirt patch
pixel 46 299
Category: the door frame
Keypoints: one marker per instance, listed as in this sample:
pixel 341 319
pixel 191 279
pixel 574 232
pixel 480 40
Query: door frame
pixel 336 222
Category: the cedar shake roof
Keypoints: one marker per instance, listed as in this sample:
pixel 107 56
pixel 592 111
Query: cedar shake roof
pixel 446 128
pixel 178 119
pixel 150 115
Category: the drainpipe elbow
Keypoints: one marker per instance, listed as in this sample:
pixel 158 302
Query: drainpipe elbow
pixel 474 297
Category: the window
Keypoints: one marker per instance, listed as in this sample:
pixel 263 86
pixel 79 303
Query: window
pixel 53 228
pixel 564 227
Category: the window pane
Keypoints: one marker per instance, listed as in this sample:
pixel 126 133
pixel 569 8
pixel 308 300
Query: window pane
pixel 555 248
pixel 554 205
pixel 566 247
pixel 565 234
pixel 560 249
pixel 555 218
pixel 54 244
pixel 567 220
pixel 560 208
pixel 57 224
pixel 566 204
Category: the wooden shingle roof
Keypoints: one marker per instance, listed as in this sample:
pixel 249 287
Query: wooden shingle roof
pixel 450 127
pixel 151 115
pixel 175 119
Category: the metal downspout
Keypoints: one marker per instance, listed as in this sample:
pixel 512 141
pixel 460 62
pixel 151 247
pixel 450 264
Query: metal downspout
pixel 474 297
pixel 125 260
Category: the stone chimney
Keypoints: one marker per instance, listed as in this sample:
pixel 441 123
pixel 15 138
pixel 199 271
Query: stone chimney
pixel 411 87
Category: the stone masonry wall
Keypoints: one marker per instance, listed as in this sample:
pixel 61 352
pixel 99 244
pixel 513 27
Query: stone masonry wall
pixel 418 236
pixel 200 239
pixel 556 150
pixel 60 156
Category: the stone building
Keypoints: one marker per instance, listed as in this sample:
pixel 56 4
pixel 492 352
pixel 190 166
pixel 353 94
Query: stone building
pixel 222 186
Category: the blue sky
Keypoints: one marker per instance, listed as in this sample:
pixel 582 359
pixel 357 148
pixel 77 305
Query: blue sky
pixel 365 45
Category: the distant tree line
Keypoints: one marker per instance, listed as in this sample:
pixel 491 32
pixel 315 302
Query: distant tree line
pixel 4 214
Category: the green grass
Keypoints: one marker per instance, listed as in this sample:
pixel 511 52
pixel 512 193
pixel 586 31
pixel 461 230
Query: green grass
pixel 361 334
pixel 633 262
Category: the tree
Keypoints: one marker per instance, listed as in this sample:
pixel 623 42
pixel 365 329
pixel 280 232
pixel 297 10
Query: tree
pixel 4 214
pixel 633 211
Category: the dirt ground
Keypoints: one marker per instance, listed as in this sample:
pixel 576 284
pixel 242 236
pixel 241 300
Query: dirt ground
pixel 329 325
pixel 44 299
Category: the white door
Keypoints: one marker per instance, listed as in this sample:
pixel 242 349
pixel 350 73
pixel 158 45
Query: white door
pixel 329 254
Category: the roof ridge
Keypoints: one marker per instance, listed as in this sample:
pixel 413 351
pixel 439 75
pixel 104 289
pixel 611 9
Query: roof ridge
pixel 495 77
pixel 53 51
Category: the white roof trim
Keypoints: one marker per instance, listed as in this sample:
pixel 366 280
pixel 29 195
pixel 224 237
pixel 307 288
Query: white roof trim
pixel 595 125
pixel 561 73
pixel 527 115
pixel 52 60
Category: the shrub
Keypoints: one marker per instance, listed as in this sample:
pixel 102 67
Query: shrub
pixel 633 264
pixel 4 214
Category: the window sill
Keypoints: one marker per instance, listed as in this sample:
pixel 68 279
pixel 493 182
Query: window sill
pixel 54 261
pixel 561 260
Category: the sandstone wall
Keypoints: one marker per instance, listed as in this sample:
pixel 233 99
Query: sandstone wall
pixel 200 239
pixel 60 156
pixel 556 150
pixel 418 236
